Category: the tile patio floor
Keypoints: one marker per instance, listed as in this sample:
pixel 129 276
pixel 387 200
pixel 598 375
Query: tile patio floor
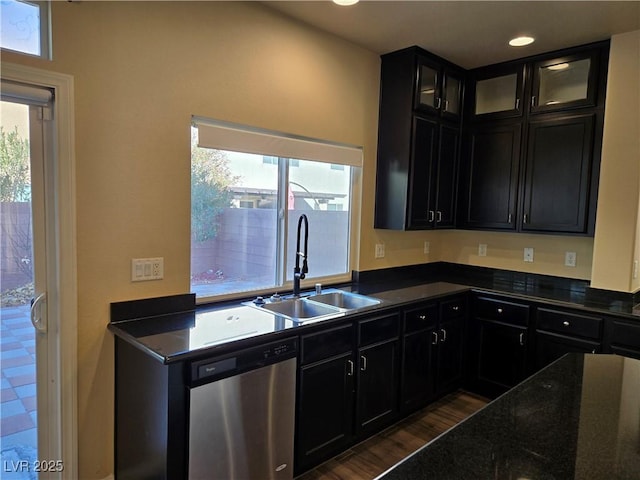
pixel 18 435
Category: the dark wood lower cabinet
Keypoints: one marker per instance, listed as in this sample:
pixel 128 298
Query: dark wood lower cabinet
pixel 551 346
pixel 502 356
pixel 349 395
pixel 377 397
pixel 450 355
pixel 418 380
pixel 325 407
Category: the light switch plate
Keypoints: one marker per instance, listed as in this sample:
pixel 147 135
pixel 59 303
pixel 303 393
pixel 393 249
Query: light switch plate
pixel 482 250
pixel 143 269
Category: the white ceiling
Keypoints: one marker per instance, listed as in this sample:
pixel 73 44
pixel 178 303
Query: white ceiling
pixel 468 33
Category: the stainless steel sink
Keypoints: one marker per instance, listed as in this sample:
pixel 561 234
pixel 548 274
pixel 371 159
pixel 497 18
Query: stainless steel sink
pixel 315 307
pixel 299 309
pixel 344 300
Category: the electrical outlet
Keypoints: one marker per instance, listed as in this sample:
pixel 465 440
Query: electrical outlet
pixel 143 269
pixel 482 250
pixel 570 259
pixel 379 250
pixel 528 254
pixel 427 247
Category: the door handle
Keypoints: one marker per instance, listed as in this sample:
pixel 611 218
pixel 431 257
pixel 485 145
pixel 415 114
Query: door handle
pixel 444 335
pixel 522 339
pixel 38 313
pixel 434 338
pixel 350 372
pixel 431 215
pixel 363 361
pixel 439 216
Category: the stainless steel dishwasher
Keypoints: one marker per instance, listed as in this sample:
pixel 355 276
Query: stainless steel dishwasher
pixel 241 414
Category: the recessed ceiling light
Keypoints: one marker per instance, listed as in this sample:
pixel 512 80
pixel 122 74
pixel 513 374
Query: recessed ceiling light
pixel 521 41
pixel 345 2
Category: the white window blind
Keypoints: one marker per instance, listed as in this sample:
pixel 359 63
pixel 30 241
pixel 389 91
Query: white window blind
pixel 19 93
pixel 227 136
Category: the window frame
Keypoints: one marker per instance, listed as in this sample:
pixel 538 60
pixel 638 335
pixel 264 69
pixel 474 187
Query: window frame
pixel 284 164
pixel 44 29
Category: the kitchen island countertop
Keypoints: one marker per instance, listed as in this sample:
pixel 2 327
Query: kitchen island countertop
pixel 579 418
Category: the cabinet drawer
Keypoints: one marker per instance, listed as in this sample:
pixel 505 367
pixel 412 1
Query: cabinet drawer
pixel 421 318
pixel 626 334
pixel 325 344
pixel 501 311
pixel 378 329
pixel 456 307
pixel 566 323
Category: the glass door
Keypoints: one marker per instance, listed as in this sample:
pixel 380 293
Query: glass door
pixel 26 373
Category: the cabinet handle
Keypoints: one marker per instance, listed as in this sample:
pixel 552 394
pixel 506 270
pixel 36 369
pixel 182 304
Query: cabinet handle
pixel 526 218
pixel 565 323
pixel 455 308
pixel 435 338
pixel 593 351
pixel 363 360
pixel 499 310
pixel 350 372
pixel 446 106
pixel 522 339
pixel 533 101
pixel 439 103
pixel 444 335
pixel 439 214
pixel 517 103
pixel 431 215
pixel 509 219
pixel 422 317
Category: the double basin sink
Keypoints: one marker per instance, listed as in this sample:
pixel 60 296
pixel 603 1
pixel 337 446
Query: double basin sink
pixel 315 306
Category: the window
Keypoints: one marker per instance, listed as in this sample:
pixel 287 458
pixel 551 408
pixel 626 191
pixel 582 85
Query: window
pixel 246 202
pixel 25 27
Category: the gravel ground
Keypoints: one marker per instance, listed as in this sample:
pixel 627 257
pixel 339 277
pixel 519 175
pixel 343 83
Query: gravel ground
pixel 17 296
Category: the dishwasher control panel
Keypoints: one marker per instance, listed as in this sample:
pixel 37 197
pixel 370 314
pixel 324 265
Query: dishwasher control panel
pixel 216 368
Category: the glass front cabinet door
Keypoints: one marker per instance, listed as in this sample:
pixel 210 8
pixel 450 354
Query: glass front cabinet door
pixel 563 83
pixel 498 92
pixel 439 90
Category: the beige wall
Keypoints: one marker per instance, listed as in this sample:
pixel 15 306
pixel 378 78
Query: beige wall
pixel 140 72
pixel 615 246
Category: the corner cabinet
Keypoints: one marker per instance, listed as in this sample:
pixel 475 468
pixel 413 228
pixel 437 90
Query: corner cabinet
pixel 433 350
pixel 418 141
pixel 498 359
pixel 532 143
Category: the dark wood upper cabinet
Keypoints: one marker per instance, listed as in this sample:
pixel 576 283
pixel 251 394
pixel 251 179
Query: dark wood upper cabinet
pixel 517 150
pixel 558 173
pixel 439 89
pixel 496 92
pixel 565 82
pixel 421 102
pixel 490 172
pixel 531 147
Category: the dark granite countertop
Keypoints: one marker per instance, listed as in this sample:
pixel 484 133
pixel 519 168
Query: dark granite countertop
pixel 579 418
pixel 213 329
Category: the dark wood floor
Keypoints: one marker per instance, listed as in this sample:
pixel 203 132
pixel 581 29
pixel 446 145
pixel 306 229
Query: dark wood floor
pixel 370 458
